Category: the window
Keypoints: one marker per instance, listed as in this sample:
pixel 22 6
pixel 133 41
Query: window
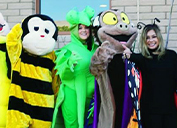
pixel 38 6
pixel 57 10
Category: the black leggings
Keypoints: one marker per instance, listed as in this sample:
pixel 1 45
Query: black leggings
pixel 159 120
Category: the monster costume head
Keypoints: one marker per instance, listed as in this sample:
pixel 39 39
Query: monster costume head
pixel 115 26
pixel 39 34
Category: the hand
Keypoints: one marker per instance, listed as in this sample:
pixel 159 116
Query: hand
pixel 126 53
pixel 91 111
pixel 102 56
pixel 74 60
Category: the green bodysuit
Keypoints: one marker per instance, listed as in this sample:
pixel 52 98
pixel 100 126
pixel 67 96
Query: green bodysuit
pixel 77 88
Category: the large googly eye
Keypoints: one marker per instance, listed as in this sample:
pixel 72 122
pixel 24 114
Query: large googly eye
pixel 46 31
pixel 36 28
pixel 110 18
pixel 124 18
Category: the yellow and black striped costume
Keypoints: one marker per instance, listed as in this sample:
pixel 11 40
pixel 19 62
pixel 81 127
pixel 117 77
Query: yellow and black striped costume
pixel 5 69
pixel 33 88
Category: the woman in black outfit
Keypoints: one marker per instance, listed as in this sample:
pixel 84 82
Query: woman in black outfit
pixel 159 74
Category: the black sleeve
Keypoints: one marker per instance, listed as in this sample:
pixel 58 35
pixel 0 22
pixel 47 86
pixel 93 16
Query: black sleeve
pixel 176 71
pixel 173 54
pixel 136 58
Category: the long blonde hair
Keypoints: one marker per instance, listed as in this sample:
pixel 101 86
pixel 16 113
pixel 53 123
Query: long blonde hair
pixel 144 49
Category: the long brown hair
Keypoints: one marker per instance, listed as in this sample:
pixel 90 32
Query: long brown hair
pixel 144 49
pixel 89 40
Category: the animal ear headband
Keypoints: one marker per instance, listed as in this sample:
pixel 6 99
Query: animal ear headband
pixel 139 25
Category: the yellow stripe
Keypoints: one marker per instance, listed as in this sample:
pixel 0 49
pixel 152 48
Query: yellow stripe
pixel 35 72
pixel 34 99
pixel 40 124
pixel 4 81
pixel 3 113
pixel 16 119
pixel 50 56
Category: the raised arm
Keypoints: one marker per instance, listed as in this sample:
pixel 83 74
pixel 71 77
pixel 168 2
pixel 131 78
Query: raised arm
pixel 65 63
pixel 103 55
pixel 127 53
pixel 14 43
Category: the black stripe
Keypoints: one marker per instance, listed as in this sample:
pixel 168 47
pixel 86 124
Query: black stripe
pixel 35 112
pixel 8 66
pixel 32 85
pixel 3 47
pixel 37 61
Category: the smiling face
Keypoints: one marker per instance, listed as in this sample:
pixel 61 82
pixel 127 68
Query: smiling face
pixel 152 41
pixel 84 32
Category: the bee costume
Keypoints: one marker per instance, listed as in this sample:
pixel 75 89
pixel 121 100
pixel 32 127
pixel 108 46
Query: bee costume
pixel 4 72
pixel 34 84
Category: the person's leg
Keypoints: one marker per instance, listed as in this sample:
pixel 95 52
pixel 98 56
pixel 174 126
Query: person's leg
pixel 69 108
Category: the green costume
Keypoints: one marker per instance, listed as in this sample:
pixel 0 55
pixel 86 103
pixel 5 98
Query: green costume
pixel 72 64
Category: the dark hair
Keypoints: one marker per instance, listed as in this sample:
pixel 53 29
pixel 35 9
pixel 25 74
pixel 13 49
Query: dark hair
pixel 95 33
pixel 89 41
pixel 43 17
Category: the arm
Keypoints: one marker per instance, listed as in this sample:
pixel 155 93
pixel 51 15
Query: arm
pixel 55 83
pixel 65 63
pixel 55 78
pixel 14 43
pixel 128 54
pixel 103 55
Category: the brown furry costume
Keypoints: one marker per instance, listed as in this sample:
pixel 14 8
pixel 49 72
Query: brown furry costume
pixel 113 28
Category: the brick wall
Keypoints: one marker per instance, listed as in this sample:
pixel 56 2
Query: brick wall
pixel 138 10
pixel 15 11
pixel 63 39
pixel 146 10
